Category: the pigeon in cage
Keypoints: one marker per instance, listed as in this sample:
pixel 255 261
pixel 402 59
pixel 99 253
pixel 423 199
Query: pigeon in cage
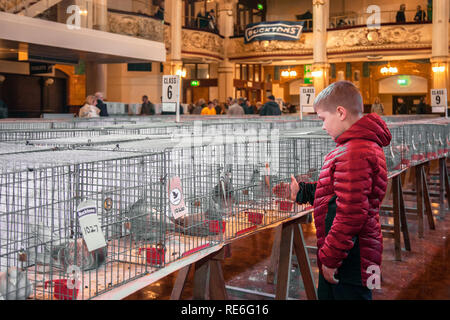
pixel 15 285
pixel 76 253
pixel 61 254
pixel 212 210
pixel 260 184
pixel 146 224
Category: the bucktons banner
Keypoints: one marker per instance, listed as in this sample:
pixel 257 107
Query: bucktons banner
pixel 274 30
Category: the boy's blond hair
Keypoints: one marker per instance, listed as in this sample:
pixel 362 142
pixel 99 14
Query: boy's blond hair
pixel 340 93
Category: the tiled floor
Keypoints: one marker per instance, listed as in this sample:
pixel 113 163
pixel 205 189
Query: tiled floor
pixel 423 273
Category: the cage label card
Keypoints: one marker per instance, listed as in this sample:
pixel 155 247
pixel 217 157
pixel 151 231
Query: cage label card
pixel 90 225
pixel 176 199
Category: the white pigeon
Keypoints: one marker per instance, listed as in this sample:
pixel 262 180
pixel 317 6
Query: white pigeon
pixel 14 285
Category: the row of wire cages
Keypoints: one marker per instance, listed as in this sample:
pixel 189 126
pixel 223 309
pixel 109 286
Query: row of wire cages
pixel 25 135
pixel 75 231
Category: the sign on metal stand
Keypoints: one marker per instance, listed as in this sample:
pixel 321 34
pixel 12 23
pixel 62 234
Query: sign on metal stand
pixel 439 101
pixel 171 95
pixel 307 96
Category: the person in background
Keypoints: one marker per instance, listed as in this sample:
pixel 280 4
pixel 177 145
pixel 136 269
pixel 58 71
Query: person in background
pixel 377 107
pixel 241 101
pixel 400 17
pixel 212 20
pixel 101 105
pixel 3 110
pixel 250 107
pixel 89 110
pixel 199 106
pixel 420 15
pixel 421 107
pixel 292 108
pixel 235 109
pixel 202 20
pixel 209 110
pixel 258 107
pixel 270 108
pixel 217 106
pixel 147 107
pixel 160 12
pixel 402 108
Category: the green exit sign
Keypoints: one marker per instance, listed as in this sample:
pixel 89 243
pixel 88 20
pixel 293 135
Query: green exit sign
pixel 195 83
pixel 403 81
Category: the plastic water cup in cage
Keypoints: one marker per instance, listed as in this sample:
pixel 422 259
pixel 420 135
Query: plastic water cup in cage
pixel 284 205
pixel 154 256
pixel 255 217
pixel 61 291
pixel 216 226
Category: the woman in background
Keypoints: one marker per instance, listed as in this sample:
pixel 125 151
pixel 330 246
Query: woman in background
pixel 89 110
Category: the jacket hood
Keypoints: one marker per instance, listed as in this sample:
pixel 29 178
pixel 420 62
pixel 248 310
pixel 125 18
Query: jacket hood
pixel 370 127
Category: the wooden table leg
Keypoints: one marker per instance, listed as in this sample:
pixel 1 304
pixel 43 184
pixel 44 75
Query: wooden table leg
pixel 419 198
pixel 403 220
pixel 396 204
pixel 284 267
pixel 303 261
pixel 180 282
pixel 217 290
pixel 274 255
pixel 201 280
pixel 442 181
pixel 427 201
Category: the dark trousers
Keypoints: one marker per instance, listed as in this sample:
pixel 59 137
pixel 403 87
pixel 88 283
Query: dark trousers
pixel 340 291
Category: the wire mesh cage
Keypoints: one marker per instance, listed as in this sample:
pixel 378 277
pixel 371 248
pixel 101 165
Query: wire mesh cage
pixel 43 241
pixel 24 135
pixel 397 152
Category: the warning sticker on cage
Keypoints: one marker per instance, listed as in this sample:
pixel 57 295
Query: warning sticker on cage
pixel 176 199
pixel 90 225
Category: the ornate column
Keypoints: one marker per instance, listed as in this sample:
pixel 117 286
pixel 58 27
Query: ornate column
pixel 174 61
pixel 439 52
pixel 320 67
pixel 96 74
pixel 226 68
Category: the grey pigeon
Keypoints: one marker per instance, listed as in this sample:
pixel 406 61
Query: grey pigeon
pixel 14 285
pixel 145 224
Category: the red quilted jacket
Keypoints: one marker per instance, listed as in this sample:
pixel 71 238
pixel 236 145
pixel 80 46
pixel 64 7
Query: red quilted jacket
pixel 351 186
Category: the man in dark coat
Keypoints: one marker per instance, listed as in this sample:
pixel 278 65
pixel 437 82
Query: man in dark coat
pixel 147 107
pixel 270 108
pixel 101 105
pixel 400 17
pixel 421 107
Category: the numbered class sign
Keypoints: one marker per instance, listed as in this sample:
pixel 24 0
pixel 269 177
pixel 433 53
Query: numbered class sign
pixel 439 100
pixel 170 93
pixel 90 226
pixel 307 96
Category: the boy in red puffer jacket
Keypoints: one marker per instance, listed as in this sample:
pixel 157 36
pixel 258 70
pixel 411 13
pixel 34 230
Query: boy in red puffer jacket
pixel 348 194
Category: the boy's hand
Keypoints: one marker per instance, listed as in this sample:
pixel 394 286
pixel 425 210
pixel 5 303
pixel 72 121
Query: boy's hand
pixel 328 274
pixel 287 191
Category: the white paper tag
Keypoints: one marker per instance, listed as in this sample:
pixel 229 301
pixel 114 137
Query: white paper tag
pixel 176 199
pixel 90 226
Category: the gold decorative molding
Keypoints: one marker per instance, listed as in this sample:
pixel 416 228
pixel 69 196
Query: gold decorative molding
pixel 136 26
pixel 202 42
pixel 387 37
